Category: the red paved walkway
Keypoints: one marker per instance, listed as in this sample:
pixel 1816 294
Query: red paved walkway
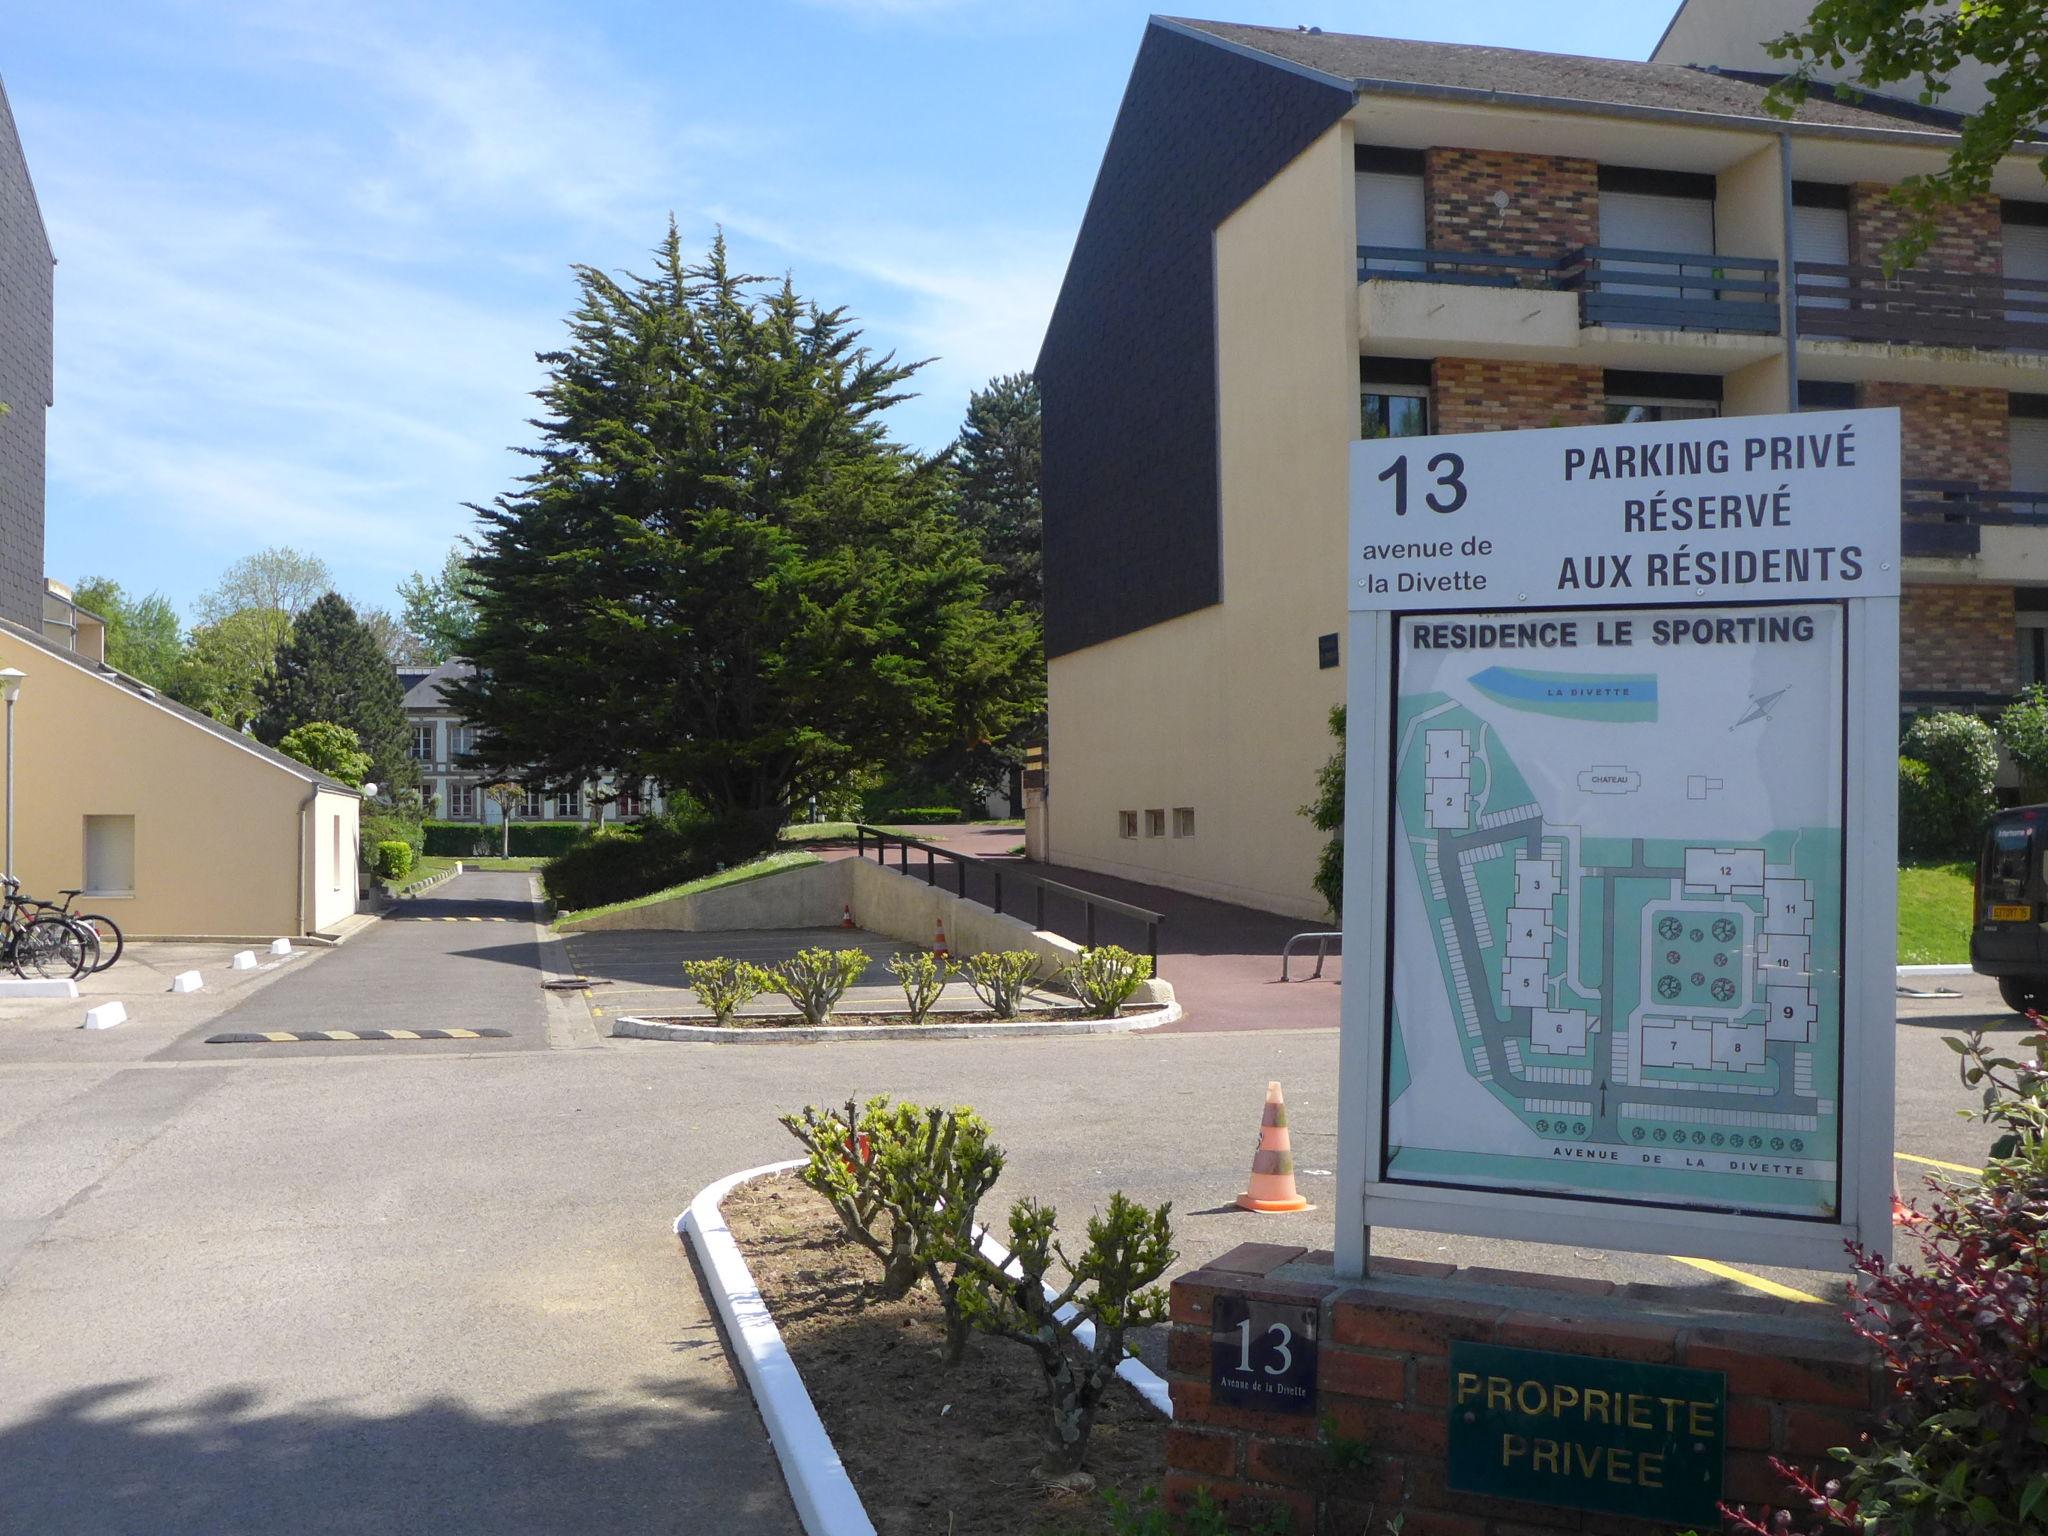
pixel 1223 960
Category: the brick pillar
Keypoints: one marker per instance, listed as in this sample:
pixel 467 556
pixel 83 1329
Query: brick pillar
pixel 1473 394
pixel 1971 236
pixel 1798 1382
pixel 1958 639
pixel 1553 202
pixel 1950 433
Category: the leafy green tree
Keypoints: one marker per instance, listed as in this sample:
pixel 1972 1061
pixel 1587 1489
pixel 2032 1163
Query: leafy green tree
pixel 508 797
pixel 996 461
pixel 722 575
pixel 332 668
pixel 224 664
pixel 279 583
pixel 330 749
pixel 401 647
pixel 1889 41
pixel 1326 814
pixel 440 610
pixel 1943 807
pixel 2023 732
pixel 142 632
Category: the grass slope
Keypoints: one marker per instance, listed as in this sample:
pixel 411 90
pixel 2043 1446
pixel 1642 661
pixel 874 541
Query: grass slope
pixel 775 863
pixel 1934 914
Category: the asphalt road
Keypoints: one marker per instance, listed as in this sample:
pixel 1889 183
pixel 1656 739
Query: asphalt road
pixel 432 1287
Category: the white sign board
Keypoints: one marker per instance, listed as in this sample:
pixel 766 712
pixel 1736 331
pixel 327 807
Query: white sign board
pixel 1623 706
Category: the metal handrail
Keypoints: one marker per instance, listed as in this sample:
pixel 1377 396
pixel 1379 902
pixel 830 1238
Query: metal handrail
pixel 1322 949
pixel 1089 900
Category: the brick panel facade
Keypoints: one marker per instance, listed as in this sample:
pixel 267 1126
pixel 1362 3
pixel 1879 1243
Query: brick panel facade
pixel 1473 394
pixel 1970 237
pixel 1950 433
pixel 1957 639
pixel 1553 202
pixel 1798 1382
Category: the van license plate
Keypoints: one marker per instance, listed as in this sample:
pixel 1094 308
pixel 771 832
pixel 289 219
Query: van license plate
pixel 2012 914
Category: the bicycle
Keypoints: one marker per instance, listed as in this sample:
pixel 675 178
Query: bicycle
pixel 47 943
pixel 104 928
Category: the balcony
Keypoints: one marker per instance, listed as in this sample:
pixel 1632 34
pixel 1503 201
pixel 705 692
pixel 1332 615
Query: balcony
pixel 1652 290
pixel 1954 520
pixel 1921 309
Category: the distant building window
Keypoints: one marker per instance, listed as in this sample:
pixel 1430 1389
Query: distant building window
pixel 632 801
pixel 461 741
pixel 462 802
pixel 533 805
pixel 1126 823
pixel 1155 823
pixel 422 748
pixel 110 855
pixel 1183 821
pixel 569 807
pixel 1393 412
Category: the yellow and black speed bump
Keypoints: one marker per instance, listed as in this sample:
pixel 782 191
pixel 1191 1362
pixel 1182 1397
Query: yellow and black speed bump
pixel 295 1036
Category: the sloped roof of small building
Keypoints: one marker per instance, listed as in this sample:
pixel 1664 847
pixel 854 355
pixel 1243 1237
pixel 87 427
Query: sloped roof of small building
pixel 423 689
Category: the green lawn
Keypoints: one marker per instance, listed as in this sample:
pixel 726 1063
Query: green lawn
pixel 773 864
pixel 838 831
pixel 1934 914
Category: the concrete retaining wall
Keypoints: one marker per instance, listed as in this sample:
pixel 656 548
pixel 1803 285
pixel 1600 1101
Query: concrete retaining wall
pixel 808 896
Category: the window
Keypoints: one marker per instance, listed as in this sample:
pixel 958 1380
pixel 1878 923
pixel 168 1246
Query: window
pixel 1155 823
pixel 462 802
pixel 631 801
pixel 569 806
pixel 533 805
pixel 1183 821
pixel 2028 435
pixel 110 855
pixel 422 748
pixel 1126 823
pixel 1390 208
pixel 1826 395
pixel 2032 630
pixel 1393 395
pixel 1634 396
pixel 1326 652
pixel 1627 412
pixel 1820 233
pixel 2025 247
pixel 461 741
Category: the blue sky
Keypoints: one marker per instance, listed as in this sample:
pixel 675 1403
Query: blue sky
pixel 307 251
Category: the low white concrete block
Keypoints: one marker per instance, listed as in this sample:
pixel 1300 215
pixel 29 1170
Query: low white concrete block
pixel 187 981
pixel 280 946
pixel 38 986
pixel 244 960
pixel 106 1015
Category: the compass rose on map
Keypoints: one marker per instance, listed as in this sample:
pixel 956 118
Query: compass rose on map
pixel 1760 707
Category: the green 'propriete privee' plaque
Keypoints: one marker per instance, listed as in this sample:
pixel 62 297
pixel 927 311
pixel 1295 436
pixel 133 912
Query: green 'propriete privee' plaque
pixel 1642 1440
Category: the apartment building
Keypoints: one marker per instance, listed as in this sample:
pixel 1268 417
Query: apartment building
pixel 27 288
pixel 454 791
pixel 1298 237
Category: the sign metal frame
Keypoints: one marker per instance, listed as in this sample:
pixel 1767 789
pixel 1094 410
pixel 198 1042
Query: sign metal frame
pixel 1365 1198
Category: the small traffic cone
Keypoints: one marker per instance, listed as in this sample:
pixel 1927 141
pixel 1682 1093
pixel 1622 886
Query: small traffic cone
pixel 845 915
pixel 939 944
pixel 1272 1182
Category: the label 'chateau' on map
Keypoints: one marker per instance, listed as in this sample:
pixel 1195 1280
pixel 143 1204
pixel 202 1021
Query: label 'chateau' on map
pixel 1634 987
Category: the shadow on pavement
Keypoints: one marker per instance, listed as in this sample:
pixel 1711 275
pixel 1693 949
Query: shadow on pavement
pixel 92 1463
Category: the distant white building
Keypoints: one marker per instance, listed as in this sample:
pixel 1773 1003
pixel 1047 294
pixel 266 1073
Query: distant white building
pixel 441 738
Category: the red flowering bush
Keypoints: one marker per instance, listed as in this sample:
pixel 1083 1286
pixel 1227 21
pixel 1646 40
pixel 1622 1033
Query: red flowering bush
pixel 1963 1446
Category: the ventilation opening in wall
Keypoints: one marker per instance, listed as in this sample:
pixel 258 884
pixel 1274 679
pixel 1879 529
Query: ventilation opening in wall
pixel 1183 821
pixel 1126 823
pixel 1155 823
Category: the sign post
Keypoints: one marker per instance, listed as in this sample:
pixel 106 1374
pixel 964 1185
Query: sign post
pixel 1621 810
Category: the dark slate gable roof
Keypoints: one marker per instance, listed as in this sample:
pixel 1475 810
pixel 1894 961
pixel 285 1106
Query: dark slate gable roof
pixel 423 691
pixel 1560 76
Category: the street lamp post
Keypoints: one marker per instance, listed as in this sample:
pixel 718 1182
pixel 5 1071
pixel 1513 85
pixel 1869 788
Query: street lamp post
pixel 10 689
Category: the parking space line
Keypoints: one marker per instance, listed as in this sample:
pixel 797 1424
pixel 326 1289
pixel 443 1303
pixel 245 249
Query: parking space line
pixel 1756 1282
pixel 1935 1162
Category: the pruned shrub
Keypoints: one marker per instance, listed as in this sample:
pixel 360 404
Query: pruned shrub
pixel 2023 732
pixel 1105 978
pixel 1111 1285
pixel 725 986
pixel 923 978
pixel 1962 1445
pixel 1942 811
pixel 1001 979
pixel 815 979
pixel 391 859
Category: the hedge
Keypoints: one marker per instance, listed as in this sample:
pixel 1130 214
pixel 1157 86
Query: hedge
pixel 538 839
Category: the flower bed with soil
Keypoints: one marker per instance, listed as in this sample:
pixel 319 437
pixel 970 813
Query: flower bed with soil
pixel 931 1449
pixel 1139 1012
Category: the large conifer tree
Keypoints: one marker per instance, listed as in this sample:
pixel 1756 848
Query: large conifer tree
pixel 997 461
pixel 722 574
pixel 333 668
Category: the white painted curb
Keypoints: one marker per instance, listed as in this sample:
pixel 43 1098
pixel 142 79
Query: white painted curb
pixel 106 1016
pixel 825 1498
pixel 187 981
pixel 818 1485
pixel 805 1034
pixel 1935 970
pixel 281 947
pixel 243 960
pixel 38 986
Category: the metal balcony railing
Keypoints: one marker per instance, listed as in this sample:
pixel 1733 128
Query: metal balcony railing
pixel 1674 290
pixel 1916 308
pixel 1946 518
pixel 1482 269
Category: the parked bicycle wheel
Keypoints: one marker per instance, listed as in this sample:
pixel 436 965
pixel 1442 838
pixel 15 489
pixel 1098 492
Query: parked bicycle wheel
pixel 109 936
pixel 55 947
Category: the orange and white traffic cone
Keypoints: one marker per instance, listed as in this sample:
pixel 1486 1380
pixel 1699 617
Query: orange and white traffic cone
pixel 939 944
pixel 1272 1182
pixel 845 915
